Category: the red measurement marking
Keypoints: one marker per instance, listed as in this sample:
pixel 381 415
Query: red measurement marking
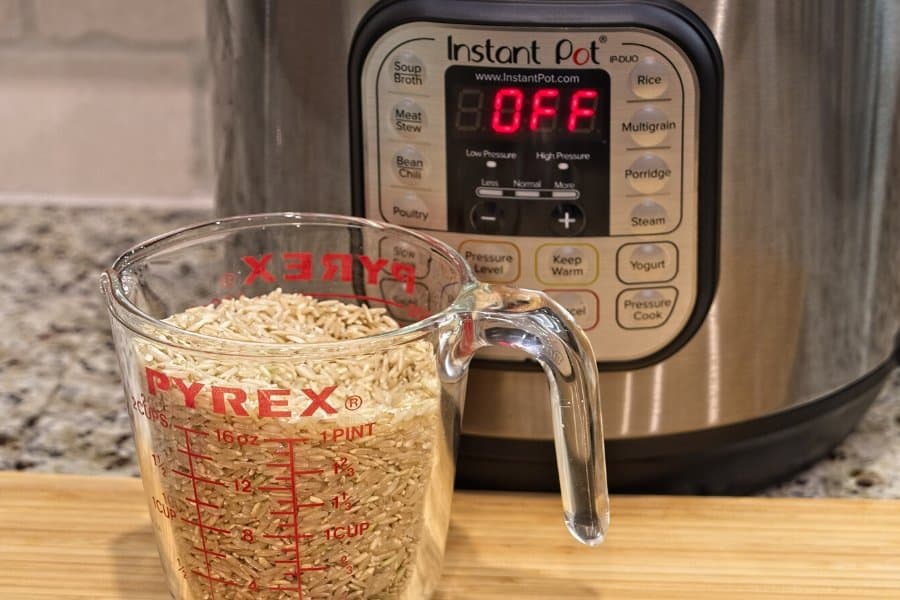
pixel 202 503
pixel 285 502
pixel 311 505
pixel 283 478
pixel 195 478
pixel 310 472
pixel 194 454
pixel 199 522
pixel 204 527
pixel 274 488
pixel 187 430
pixel 288 441
pixel 278 465
pixel 304 569
pixel 281 512
pixel 219 554
pixel 212 578
pixel 279 537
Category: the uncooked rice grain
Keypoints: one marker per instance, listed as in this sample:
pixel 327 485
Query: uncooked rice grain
pixel 266 504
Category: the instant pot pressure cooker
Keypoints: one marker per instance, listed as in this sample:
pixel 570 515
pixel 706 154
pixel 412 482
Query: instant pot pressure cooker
pixel 711 188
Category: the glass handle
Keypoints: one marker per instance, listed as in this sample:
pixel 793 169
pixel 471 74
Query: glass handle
pixel 532 322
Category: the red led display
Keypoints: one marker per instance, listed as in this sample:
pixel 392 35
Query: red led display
pixel 508 108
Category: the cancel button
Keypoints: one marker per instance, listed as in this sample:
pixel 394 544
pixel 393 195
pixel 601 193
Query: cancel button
pixel 495 262
pixel 645 308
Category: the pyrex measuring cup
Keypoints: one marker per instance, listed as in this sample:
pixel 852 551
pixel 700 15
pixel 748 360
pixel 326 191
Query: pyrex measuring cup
pixel 277 467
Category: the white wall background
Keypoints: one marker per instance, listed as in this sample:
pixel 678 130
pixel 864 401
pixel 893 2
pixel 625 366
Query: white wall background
pixel 104 98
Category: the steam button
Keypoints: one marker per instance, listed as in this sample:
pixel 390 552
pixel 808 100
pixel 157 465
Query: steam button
pixel 408 118
pixel 649 126
pixel 649 217
pixel 409 166
pixel 648 174
pixel 649 78
pixel 407 69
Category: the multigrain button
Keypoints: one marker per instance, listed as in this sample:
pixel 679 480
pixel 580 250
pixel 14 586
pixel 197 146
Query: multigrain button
pixel 496 262
pixel 409 165
pixel 645 308
pixel 649 126
pixel 566 264
pixel 407 69
pixel 646 263
pixel 649 78
pixel 408 118
pixel 649 217
pixel 648 174
pixel 583 305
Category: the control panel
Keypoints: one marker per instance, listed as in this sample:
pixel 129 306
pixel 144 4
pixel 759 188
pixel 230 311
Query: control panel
pixel 565 159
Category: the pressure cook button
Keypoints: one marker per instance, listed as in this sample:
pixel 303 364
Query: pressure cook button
pixel 648 174
pixel 408 118
pixel 649 126
pixel 645 263
pixel 649 78
pixel 649 217
pixel 409 166
pixel 570 263
pixel 497 262
pixel 487 217
pixel 408 209
pixel 645 308
pixel 583 305
pixel 407 69
pixel 567 219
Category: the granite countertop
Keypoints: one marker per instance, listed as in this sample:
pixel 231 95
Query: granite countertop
pixel 61 407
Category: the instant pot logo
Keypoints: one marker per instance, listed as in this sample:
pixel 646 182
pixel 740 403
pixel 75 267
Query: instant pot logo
pixel 565 52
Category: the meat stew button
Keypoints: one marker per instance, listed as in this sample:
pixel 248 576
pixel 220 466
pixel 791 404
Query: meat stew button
pixel 645 308
pixel 496 262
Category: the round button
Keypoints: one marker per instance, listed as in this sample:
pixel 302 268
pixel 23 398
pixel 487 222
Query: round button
pixel 409 166
pixel 407 69
pixel 649 78
pixel 648 174
pixel 567 219
pixel 408 118
pixel 407 209
pixel 648 215
pixel 583 305
pixel 649 126
pixel 487 217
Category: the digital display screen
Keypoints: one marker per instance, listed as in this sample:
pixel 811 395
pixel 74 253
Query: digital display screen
pixel 523 104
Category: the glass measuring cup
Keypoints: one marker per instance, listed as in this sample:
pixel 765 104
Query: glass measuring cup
pixel 315 468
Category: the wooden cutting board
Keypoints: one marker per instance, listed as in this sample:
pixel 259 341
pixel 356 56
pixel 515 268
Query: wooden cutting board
pixel 90 537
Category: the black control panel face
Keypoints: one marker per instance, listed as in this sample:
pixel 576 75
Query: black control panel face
pixel 565 159
pixel 533 146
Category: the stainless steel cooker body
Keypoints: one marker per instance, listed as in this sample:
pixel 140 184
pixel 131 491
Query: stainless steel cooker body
pixel 803 323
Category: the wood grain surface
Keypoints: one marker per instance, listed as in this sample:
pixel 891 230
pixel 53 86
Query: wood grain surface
pixel 65 536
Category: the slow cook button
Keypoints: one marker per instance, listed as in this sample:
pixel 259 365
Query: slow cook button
pixel 645 263
pixel 409 166
pixel 496 262
pixel 645 308
pixel 583 305
pixel 569 263
pixel 405 208
pixel 648 174
pixel 401 252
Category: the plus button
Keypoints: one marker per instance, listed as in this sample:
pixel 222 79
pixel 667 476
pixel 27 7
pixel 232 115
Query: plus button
pixel 567 219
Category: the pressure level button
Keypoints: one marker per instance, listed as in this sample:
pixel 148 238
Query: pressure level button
pixel 649 78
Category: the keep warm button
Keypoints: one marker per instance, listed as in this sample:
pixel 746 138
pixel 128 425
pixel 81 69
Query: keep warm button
pixel 495 262
pixel 645 308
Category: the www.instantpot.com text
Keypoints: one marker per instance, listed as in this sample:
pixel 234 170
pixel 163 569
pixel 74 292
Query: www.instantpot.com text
pixel 534 77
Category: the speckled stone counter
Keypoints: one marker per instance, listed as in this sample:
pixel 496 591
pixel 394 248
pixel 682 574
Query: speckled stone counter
pixel 61 406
